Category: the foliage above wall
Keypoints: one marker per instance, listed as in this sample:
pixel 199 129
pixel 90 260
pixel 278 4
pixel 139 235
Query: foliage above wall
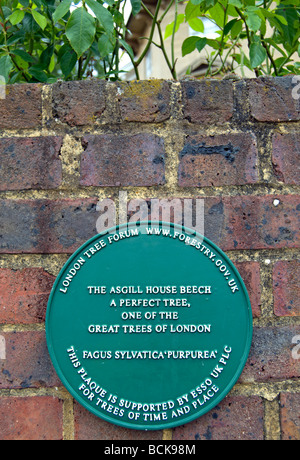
pixel 266 26
pixel 47 40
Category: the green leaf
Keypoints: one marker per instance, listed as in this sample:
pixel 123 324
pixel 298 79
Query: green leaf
pixel 299 50
pixel 68 61
pixel 23 55
pixel 136 6
pixel 80 30
pixel 16 17
pixel 291 16
pixel 214 43
pixel 253 22
pixel 127 48
pixel 103 15
pixel 297 66
pixel 197 2
pixel 229 26
pixel 39 19
pixel 170 27
pixel 61 10
pixel 236 3
pixel 191 11
pixel 45 57
pixel 24 2
pixel 38 75
pixel 6 66
pixel 236 29
pixel 201 44
pixel 30 26
pixel 217 14
pixel 282 19
pixel 196 24
pixel 257 55
pixel 105 46
pixel 189 45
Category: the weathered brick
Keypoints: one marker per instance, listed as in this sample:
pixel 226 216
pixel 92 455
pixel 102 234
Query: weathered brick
pixel 211 161
pixel 22 107
pixel 271 356
pixel 144 101
pixel 34 418
pixel 253 222
pixel 137 160
pixel 24 295
pixel 238 222
pixel 88 427
pixel 27 363
pixel 289 416
pixel 78 103
pixel 207 101
pixel 46 226
pixel 271 99
pixel 286 157
pixel 30 163
pixel 286 275
pixel 250 273
pixel 235 418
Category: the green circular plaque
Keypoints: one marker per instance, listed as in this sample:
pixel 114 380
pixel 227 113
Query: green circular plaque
pixel 149 326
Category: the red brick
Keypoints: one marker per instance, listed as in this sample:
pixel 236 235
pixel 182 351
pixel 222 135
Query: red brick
pixel 253 222
pixel 271 356
pixel 235 418
pixel 238 222
pixel 286 157
pixel 78 103
pixel 144 101
pixel 271 99
pixel 226 159
pixel 208 101
pixel 286 275
pixel 34 418
pixel 241 222
pixel 137 160
pixel 24 295
pixel 46 226
pixel 250 273
pixel 22 107
pixel 27 363
pixel 88 427
pixel 30 163
pixel 290 416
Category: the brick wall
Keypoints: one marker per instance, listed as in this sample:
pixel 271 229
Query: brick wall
pixel 65 147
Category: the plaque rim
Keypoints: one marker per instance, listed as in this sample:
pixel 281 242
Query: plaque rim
pixel 210 405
